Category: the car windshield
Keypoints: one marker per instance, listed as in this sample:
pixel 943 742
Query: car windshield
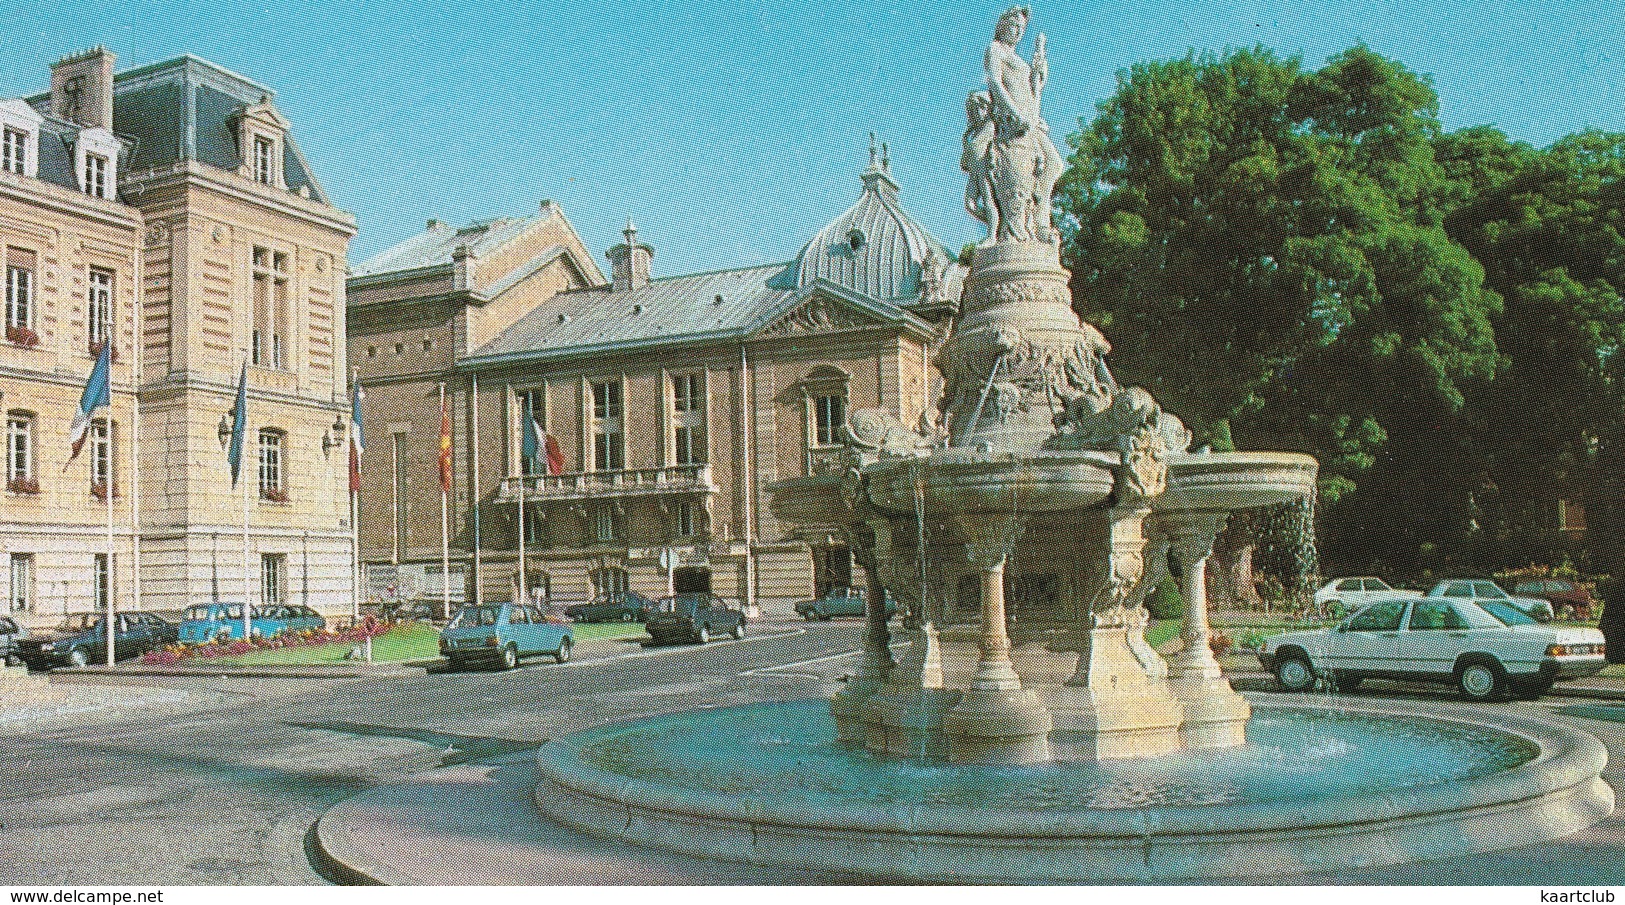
pixel 215 611
pixel 1491 591
pixel 474 616
pixel 1505 613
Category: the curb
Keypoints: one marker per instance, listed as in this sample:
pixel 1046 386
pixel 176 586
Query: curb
pixel 1263 681
pixel 101 675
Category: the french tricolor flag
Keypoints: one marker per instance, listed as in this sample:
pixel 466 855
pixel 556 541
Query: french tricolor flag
pixel 358 443
pixel 97 394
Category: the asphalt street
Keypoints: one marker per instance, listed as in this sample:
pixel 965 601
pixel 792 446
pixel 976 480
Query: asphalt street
pixel 226 792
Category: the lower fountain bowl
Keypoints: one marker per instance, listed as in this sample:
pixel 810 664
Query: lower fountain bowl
pixel 1316 789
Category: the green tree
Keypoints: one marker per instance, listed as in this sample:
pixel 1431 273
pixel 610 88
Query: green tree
pixel 1265 246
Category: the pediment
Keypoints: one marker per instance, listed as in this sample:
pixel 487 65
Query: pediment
pixel 267 113
pixel 820 314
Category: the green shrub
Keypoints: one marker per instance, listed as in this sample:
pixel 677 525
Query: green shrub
pixel 1165 602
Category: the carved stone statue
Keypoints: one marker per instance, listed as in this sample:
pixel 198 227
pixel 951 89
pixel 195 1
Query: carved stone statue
pixel 977 162
pixel 878 431
pixel 1024 162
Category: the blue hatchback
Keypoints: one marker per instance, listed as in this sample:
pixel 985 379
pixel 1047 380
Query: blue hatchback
pixel 501 634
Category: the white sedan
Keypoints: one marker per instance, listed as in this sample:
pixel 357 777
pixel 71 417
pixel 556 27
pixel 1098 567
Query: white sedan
pixel 1484 647
pixel 1355 592
pixel 1482 590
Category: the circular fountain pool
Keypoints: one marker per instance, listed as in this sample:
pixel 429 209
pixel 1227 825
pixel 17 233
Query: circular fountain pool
pixel 1316 788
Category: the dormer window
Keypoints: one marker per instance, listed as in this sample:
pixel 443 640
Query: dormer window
pixel 95 181
pixel 19 138
pixel 95 155
pixel 264 168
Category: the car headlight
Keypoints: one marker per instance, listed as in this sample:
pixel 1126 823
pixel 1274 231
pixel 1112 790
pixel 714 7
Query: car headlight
pixel 48 646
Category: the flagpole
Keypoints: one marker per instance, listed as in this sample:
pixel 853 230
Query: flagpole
pixel 474 443
pixel 445 521
pixel 355 528
pixel 112 610
pixel 524 413
pixel 241 426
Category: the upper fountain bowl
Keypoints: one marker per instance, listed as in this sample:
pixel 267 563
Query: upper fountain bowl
pixel 1226 482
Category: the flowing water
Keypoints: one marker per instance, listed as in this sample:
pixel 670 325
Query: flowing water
pixel 788 751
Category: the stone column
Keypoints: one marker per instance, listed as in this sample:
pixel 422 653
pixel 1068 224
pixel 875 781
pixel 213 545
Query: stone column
pixel 997 721
pixel 1192 543
pixel 1215 716
pixel 868 543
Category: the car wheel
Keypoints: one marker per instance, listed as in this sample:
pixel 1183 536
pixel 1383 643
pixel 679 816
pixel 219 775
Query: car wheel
pixel 1481 680
pixel 78 659
pixel 810 615
pixel 1532 689
pixel 562 655
pixel 510 657
pixel 703 635
pixel 1294 673
pixel 738 631
pixel 626 617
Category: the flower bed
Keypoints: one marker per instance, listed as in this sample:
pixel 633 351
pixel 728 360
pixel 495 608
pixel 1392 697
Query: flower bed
pixel 211 650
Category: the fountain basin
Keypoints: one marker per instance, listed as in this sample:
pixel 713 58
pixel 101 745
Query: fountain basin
pixel 1316 789
pixel 966 481
pixel 1225 482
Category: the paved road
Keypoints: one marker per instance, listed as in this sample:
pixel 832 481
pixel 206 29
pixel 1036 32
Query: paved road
pixel 226 792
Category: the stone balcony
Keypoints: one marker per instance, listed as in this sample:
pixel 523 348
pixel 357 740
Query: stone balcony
pixel 601 485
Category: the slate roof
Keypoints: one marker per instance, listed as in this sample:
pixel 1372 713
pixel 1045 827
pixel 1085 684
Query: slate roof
pixel 434 246
pixel 151 112
pixel 668 310
pixel 55 149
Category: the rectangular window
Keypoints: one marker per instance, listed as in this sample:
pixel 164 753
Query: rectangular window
pixel 273 578
pixel 607 525
pixel 264 172
pixel 21 594
pixel 102 579
pixel 101 457
pixel 19 448
pixel 271 465
pixel 685 518
pixel 95 175
pixel 689 445
pixel 99 308
pixel 688 392
pixel 14 151
pixel 19 289
pixel 608 453
pixel 829 413
pixel 606 399
pixel 268 346
pixel 608 448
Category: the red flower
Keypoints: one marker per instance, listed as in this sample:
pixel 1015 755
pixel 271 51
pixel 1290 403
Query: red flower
pixel 22 336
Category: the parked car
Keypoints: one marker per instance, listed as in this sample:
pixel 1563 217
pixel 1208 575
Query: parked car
pixel 1566 597
pixel 11 632
pixel 840 602
pixel 1484 647
pixel 693 617
pixel 503 634
pixel 81 640
pixel 222 620
pixel 1482 590
pixel 1346 594
pixel 622 606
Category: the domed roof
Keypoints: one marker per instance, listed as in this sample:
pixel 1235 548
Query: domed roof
pixel 874 248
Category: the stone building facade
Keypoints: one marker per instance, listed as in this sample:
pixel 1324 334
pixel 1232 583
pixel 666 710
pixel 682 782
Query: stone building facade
pixel 169 208
pixel 675 402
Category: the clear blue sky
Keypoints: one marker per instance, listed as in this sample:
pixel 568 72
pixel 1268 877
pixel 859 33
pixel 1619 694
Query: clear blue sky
pixel 732 135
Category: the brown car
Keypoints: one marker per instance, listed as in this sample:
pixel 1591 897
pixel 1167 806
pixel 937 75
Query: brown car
pixel 1568 599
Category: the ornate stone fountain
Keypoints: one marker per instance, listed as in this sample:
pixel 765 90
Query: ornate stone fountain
pixel 1045 461
pixel 1075 493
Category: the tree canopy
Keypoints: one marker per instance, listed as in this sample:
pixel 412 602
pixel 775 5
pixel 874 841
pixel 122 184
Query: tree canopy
pixel 1296 258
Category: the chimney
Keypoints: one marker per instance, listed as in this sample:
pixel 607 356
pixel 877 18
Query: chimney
pixel 629 261
pixel 463 263
pixel 82 88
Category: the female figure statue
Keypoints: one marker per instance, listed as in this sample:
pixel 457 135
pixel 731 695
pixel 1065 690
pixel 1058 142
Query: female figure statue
pixel 977 162
pixel 1025 162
